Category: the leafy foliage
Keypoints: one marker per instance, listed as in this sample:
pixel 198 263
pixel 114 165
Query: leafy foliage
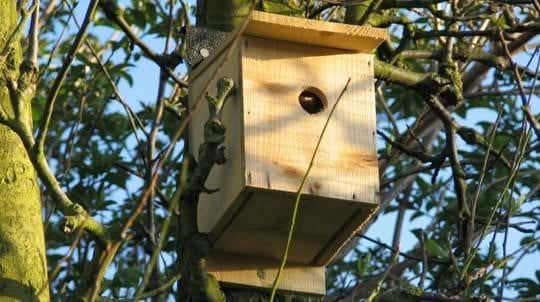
pixel 118 112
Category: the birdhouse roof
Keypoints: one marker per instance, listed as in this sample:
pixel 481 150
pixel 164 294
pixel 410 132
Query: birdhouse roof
pixel 313 32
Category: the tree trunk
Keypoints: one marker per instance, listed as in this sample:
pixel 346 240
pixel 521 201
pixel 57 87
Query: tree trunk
pixel 222 15
pixel 23 269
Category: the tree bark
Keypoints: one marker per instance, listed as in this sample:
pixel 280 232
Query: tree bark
pixel 222 15
pixel 23 269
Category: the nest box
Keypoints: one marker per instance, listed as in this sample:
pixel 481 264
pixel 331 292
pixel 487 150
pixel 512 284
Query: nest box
pixel 288 73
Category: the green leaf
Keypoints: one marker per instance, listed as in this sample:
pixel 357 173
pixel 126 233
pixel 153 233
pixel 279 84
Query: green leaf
pixel 434 249
pixel 526 240
pixel 283 7
pixel 362 264
pixel 128 276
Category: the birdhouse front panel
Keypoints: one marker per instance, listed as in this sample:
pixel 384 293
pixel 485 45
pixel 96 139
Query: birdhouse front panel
pixel 285 92
pixel 280 135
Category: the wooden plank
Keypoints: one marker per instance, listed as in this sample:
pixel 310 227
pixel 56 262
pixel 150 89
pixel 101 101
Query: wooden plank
pixel 260 273
pixel 313 32
pixel 341 243
pixel 307 31
pixel 228 178
pixel 280 136
pixel 261 226
pixel 323 226
pixel 270 140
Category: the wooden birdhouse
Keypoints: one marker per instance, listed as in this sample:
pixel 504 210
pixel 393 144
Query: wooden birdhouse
pixel 288 73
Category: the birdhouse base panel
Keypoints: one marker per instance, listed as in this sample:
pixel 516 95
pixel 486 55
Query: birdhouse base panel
pixel 258 225
pixel 243 271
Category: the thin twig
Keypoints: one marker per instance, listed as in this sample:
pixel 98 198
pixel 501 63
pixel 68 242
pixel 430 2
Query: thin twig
pixel 422 156
pixel 47 13
pixel 405 255
pixel 517 77
pixel 134 121
pixel 375 293
pixel 56 46
pixel 474 203
pixel 132 116
pixel 58 266
pixel 163 233
pixel 25 13
pixel 161 288
pixel 33 41
pixel 70 56
pixel 114 13
pixel 373 7
pixel 299 194
pixel 424 260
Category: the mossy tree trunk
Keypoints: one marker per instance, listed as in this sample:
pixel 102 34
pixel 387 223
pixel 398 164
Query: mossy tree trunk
pixel 23 269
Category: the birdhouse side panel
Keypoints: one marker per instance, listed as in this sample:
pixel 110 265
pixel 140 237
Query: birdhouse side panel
pixel 214 208
pixel 281 133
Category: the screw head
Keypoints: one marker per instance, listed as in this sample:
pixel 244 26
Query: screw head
pixel 204 52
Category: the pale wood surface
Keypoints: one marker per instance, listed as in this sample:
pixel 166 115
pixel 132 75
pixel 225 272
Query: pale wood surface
pixel 341 243
pixel 280 136
pixel 270 145
pixel 306 31
pixel 262 223
pixel 260 273
pixel 228 177
pixel 269 142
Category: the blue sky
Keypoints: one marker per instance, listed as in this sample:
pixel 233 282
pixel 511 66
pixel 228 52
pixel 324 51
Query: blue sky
pixel 144 89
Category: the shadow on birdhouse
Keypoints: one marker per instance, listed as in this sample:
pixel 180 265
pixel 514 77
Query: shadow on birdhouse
pixel 288 72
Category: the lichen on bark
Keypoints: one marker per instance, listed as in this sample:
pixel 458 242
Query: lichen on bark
pixel 23 269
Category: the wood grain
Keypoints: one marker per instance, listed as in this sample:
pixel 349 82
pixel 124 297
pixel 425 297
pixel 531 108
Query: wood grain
pixel 270 140
pixel 227 178
pixel 245 271
pixel 313 32
pixel 280 136
pixel 261 225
